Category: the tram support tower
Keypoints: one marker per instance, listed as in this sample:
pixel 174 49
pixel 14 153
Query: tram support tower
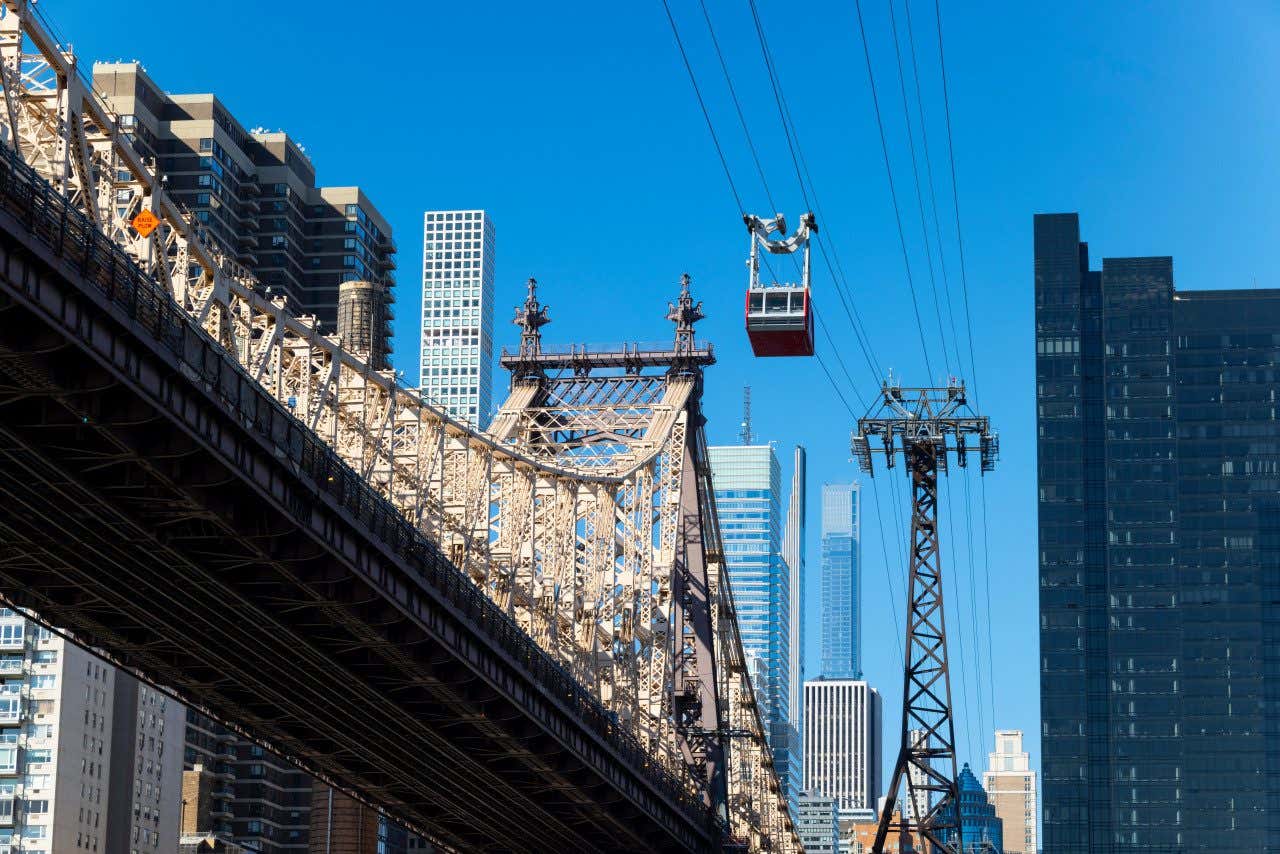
pixel 927 425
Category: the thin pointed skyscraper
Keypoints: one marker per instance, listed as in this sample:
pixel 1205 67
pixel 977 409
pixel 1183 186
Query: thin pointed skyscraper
pixel 793 556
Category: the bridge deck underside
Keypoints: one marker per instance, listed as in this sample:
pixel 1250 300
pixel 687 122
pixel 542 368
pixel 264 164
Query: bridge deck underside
pixel 140 514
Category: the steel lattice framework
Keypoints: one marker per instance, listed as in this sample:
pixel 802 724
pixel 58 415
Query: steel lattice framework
pixel 585 512
pixel 928 425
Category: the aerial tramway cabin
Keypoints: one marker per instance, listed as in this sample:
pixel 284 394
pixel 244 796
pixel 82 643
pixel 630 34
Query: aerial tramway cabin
pixel 779 316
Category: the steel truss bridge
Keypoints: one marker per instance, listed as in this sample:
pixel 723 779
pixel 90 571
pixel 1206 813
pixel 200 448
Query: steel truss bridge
pixel 520 640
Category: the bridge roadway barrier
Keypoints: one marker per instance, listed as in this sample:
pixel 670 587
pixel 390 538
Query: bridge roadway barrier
pixel 162 508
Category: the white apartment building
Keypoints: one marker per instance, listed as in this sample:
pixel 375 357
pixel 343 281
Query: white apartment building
pixel 1011 786
pixel 89 759
pixel 842 743
pixel 457 313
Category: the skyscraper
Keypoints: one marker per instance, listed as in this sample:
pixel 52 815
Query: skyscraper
pixel 253 195
pixel 1011 785
pixel 457 313
pixel 842 743
pixel 747 480
pixel 841 582
pixel 1159 506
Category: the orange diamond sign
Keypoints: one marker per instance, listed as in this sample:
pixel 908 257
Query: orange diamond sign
pixel 145 223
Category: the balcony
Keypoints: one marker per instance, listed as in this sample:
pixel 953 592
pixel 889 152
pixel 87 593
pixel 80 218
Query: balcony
pixel 10 666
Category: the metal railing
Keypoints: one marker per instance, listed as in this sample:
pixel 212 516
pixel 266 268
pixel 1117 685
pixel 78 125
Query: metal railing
pixel 71 236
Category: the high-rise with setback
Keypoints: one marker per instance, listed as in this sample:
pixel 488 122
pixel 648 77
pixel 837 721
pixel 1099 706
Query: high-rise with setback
pixel 841 582
pixel 1010 782
pixel 1159 518
pixel 253 195
pixel 457 313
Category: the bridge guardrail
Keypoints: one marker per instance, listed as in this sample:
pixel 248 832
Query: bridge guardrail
pixel 73 237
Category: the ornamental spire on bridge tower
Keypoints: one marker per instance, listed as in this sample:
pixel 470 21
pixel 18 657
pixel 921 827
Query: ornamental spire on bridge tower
pixel 684 314
pixel 531 317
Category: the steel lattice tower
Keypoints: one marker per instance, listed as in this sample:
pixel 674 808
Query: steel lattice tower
pixel 930 424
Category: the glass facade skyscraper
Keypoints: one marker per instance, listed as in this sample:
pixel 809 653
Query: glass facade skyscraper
pixel 457 313
pixel 841 582
pixel 1159 516
pixel 747 480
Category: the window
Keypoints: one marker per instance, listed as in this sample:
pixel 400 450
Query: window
pixel 206 144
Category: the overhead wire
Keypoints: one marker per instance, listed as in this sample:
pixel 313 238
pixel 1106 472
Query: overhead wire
pixel 884 548
pixel 737 105
pixel 976 623
pixel 807 188
pixel 838 278
pixel 933 196
pixel 737 199
pixel 942 329
pixel 706 114
pixel 968 318
pixel 915 173
pixel 893 192
pixel 834 267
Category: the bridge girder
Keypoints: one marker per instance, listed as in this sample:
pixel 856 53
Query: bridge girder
pixel 575 516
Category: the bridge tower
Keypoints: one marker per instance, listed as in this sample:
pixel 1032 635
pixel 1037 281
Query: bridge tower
pixel 601 408
pixel 928 425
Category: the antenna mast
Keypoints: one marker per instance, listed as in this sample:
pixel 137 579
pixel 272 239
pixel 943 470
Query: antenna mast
pixel 745 433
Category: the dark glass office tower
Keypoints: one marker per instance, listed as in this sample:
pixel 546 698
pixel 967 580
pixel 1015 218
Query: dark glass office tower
pixel 1159 500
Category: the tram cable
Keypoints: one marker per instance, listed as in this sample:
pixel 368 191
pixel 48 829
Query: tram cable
pixel 893 192
pixel 915 174
pixel 968 318
pixel 724 163
pixel 807 189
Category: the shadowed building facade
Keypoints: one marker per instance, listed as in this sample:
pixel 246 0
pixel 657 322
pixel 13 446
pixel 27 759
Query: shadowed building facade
pixel 1159 521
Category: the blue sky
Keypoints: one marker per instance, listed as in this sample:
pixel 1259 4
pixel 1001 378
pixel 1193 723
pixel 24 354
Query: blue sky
pixel 575 125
